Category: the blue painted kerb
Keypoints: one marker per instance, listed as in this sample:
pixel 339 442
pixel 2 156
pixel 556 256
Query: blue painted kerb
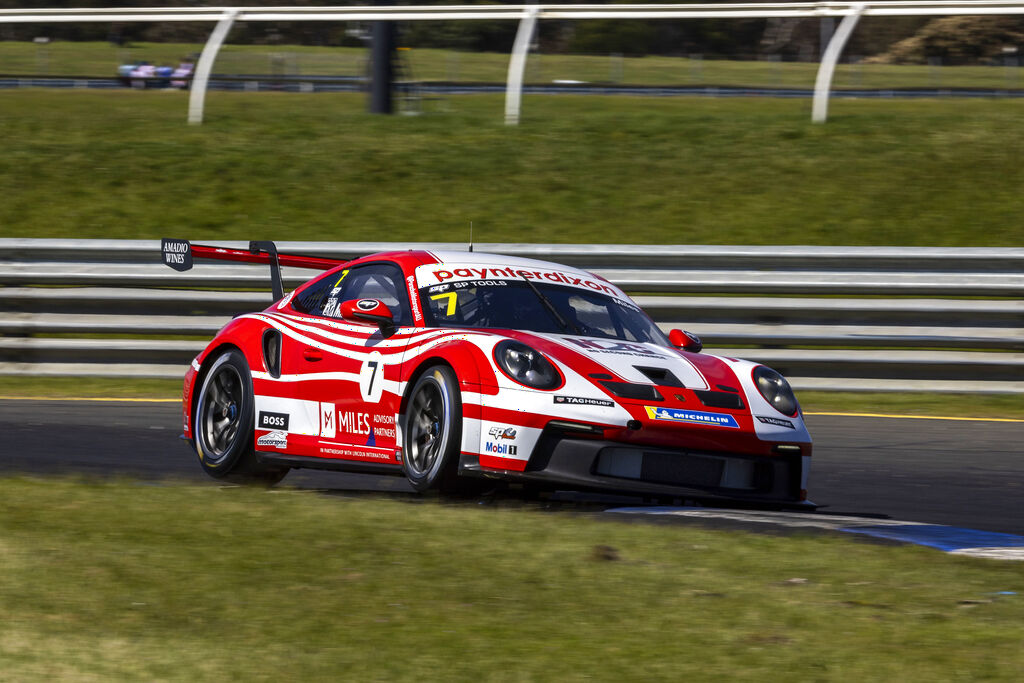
pixel 946 538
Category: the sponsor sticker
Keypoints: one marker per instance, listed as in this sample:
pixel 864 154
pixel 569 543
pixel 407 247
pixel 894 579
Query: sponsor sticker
pixel 414 299
pixel 176 253
pixel 616 347
pixel 584 401
pixel 777 421
pixel 367 304
pixel 269 420
pixel 442 275
pixel 286 300
pixel 277 439
pixel 501 448
pixel 328 425
pixel 691 417
pixel 502 432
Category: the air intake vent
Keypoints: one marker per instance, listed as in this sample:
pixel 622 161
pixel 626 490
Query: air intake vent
pixel 720 399
pixel 660 376
pixel 637 392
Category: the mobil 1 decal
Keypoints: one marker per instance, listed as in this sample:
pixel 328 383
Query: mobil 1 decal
pixel 371 378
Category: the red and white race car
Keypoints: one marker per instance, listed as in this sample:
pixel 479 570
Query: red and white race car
pixel 446 367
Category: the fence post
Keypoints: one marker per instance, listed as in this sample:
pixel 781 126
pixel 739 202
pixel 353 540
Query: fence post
pixel 517 65
pixel 197 96
pixel 823 83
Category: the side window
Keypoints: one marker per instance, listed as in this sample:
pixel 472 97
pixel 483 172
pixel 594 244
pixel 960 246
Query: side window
pixel 373 281
pixel 313 298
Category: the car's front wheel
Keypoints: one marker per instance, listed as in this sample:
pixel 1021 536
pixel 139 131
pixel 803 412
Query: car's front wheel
pixel 223 424
pixel 432 431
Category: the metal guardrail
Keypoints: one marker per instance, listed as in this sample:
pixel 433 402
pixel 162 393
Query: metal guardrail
pixel 836 318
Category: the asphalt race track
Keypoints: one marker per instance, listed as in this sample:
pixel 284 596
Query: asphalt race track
pixel 959 473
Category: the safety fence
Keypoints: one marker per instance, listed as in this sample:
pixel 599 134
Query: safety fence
pixel 831 318
pixel 527 16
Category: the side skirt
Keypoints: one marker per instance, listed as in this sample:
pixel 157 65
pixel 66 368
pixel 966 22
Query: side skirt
pixel 300 462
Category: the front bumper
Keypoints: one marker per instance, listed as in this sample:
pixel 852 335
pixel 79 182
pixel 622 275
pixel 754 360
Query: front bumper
pixel 597 464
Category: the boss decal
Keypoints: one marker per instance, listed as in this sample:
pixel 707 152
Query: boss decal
pixel 777 421
pixel 272 421
pixel 584 401
pixel 691 416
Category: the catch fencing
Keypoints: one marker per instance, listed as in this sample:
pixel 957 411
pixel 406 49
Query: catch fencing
pixel 830 318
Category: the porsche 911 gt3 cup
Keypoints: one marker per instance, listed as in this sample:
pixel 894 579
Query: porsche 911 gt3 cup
pixel 452 367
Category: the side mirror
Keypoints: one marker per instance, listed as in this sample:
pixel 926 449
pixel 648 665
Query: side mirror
pixel 372 311
pixel 687 341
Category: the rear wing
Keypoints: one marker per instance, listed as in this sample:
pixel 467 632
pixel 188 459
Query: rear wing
pixel 179 254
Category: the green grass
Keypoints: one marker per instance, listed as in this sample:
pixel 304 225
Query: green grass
pixel 131 582
pixel 90 387
pixel 102 59
pixel 578 170
pixel 943 405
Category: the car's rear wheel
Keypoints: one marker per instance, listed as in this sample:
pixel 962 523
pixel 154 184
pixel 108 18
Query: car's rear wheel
pixel 223 424
pixel 432 431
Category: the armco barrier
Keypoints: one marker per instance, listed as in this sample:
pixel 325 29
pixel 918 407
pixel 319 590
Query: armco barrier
pixel 834 318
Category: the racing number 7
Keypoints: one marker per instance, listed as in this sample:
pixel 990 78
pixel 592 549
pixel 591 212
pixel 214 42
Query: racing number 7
pixel 373 373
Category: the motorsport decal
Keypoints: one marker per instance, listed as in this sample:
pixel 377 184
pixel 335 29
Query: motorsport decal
pixel 777 421
pixel 433 274
pixel 691 416
pixel 502 433
pixel 273 421
pixel 275 439
pixel 584 401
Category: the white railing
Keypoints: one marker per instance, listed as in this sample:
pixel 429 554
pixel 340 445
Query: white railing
pixel 850 318
pixel 527 15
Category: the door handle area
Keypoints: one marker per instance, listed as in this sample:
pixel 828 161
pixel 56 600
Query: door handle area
pixel 312 355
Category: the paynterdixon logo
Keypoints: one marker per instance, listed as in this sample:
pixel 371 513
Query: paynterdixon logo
pixel 691 416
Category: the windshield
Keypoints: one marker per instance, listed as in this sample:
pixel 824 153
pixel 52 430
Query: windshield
pixel 514 304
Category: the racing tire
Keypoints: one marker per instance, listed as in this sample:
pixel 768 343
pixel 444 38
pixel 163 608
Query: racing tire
pixel 222 425
pixel 432 431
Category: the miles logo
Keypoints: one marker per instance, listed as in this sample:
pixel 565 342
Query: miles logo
pixel 272 421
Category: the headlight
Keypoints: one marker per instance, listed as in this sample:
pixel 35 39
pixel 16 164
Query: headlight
pixel 525 365
pixel 776 390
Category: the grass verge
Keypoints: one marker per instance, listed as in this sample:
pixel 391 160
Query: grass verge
pixel 577 170
pixel 129 582
pixel 944 405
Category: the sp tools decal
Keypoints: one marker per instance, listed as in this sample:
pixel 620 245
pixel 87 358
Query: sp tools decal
pixel 691 416
pixel 272 421
pixel 275 439
pixel 777 421
pixel 502 432
pixel 584 401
